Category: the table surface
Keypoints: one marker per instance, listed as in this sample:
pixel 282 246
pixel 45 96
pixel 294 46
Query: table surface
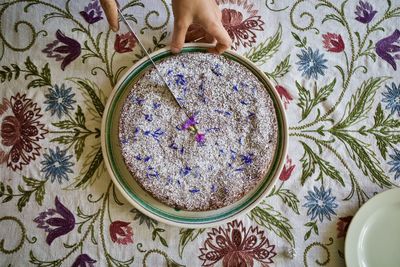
pixel 333 64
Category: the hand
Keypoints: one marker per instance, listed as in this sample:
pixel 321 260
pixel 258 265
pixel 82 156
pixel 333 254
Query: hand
pixel 110 9
pixel 204 19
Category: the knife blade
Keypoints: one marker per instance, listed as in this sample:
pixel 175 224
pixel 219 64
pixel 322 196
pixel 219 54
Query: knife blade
pixel 151 60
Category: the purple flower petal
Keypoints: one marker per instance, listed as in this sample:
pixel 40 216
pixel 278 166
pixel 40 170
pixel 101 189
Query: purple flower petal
pixel 386 46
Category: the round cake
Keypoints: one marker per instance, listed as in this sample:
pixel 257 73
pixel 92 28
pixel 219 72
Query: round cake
pixel 209 154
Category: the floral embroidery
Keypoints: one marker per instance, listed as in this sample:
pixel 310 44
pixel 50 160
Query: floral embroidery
pixel 287 170
pixel 241 26
pixel 124 42
pixel 387 47
pixel 236 246
pixel 92 12
pixel 56 226
pixel 333 42
pixel 59 100
pixel 311 63
pixel 392 98
pixel 343 225
pixel 395 162
pixel 365 12
pixel 284 94
pixel 121 232
pixel 82 260
pixel 320 204
pixel 57 165
pixel 68 52
pixel 20 131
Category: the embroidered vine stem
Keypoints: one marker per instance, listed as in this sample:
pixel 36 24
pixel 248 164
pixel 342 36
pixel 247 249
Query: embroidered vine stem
pixel 103 242
pixel 324 247
pixel 354 56
pixel 355 187
pixel 156 13
pixel 156 251
pixel 23 236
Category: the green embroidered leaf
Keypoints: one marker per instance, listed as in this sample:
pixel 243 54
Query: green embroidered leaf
pixel 333 17
pixel 186 236
pixel 80 117
pixel 97 160
pixel 379 116
pixel 313 227
pixel 65 124
pixel 30 67
pixel 273 220
pixel 289 199
pixel 310 160
pixel 301 43
pixel 79 146
pixel 7 73
pixel 360 103
pixel 365 159
pixel 281 69
pixel 64 139
pixel 88 87
pixel 265 50
pixel 308 102
pixel 43 78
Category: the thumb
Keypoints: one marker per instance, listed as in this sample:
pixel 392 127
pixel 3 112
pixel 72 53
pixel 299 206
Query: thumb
pixel 178 36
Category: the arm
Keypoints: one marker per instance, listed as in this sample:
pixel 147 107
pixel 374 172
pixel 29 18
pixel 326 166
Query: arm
pixel 203 13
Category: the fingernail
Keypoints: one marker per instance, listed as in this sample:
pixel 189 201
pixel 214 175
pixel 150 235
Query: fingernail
pixel 114 28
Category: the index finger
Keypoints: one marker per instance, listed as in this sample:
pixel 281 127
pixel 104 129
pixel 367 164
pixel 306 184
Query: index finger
pixel 110 9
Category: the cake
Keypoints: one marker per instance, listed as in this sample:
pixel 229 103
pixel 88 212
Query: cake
pixel 209 154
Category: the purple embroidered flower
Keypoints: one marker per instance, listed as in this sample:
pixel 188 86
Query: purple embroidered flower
pixel 92 12
pixel 82 260
pixel 365 12
pixel 388 46
pixel 189 123
pixel 55 226
pixel 68 51
pixel 200 138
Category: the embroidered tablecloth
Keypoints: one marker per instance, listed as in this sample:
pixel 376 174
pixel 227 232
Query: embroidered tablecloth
pixel 334 64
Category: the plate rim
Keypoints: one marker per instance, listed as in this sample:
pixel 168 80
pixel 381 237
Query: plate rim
pixel 357 223
pixel 257 200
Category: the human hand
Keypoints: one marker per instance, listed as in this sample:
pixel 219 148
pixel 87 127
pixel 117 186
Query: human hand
pixel 110 9
pixel 204 19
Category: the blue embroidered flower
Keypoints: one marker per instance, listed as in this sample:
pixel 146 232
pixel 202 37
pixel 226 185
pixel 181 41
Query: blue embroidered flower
pixel 311 63
pixel 396 163
pixel 320 204
pixel 56 165
pixel 59 100
pixel 392 98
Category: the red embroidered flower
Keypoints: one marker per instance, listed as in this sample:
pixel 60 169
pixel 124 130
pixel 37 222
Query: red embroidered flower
pixel 240 25
pixel 237 246
pixel 20 130
pixel 343 226
pixel 121 232
pixel 284 94
pixel 333 42
pixel 124 42
pixel 287 170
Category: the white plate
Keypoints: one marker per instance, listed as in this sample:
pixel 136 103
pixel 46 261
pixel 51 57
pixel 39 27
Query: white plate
pixel 373 238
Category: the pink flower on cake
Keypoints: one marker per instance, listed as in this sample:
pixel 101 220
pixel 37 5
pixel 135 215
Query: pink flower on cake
pixel 200 138
pixel 287 170
pixel 240 22
pixel 121 232
pixel 237 246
